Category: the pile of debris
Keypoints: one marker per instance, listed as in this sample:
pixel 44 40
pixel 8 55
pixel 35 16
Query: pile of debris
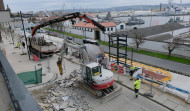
pixel 64 95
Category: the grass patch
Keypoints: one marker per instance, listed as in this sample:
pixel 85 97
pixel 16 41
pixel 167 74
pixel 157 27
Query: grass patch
pixel 66 33
pixel 16 47
pixel 149 53
pixel 164 56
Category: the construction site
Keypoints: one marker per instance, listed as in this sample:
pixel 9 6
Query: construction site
pixel 40 71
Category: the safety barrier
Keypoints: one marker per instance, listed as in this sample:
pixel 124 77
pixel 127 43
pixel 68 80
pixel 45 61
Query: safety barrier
pixel 162 82
pixel 170 88
pixel 31 77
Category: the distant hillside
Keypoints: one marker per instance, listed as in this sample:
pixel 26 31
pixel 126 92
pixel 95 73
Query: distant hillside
pixel 124 8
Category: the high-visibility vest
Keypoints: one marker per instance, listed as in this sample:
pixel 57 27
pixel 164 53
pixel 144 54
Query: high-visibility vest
pixel 137 84
pixel 132 67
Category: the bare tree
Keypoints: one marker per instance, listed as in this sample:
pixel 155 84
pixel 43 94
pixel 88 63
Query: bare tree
pixel 172 45
pixel 138 38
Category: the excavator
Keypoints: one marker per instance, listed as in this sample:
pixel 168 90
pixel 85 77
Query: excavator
pixel 97 80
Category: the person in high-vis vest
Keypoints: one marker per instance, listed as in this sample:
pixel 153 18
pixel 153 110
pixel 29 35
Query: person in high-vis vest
pixel 132 68
pixel 137 85
pixel 18 44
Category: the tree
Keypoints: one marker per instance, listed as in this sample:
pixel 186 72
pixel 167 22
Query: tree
pixel 172 45
pixel 138 37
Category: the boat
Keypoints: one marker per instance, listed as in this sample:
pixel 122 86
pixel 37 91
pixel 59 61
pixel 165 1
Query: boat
pixel 178 20
pixel 135 21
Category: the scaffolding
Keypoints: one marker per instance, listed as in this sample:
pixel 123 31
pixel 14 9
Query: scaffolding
pixel 118 41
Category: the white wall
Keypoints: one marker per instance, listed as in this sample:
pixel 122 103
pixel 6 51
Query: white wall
pixel 90 34
pixel 118 27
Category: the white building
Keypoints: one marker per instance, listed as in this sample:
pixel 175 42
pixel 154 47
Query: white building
pixel 88 30
pixel 120 25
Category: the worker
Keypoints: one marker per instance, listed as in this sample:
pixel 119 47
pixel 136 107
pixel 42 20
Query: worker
pixel 137 84
pixel 101 60
pixel 18 44
pixel 132 69
pixel 100 57
pixel 23 44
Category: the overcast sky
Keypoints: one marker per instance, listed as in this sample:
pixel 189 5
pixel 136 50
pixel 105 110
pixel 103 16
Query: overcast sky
pixel 37 5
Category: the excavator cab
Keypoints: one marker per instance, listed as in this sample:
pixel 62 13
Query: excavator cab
pixel 91 70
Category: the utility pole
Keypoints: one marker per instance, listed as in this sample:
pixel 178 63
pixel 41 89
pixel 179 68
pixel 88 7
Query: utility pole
pixel 132 56
pixel 25 35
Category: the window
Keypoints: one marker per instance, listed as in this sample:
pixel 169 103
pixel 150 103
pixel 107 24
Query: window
pixel 108 29
pixel 111 28
pixel 121 27
pixel 96 70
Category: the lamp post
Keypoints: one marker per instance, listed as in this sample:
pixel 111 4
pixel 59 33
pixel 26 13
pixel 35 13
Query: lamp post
pixel 11 32
pixel 151 18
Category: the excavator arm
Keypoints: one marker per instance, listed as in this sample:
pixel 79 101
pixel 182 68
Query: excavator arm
pixel 64 49
pixel 68 17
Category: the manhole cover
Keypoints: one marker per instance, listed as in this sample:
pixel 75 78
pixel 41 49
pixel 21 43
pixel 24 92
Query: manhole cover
pixel 13 52
pixel 19 61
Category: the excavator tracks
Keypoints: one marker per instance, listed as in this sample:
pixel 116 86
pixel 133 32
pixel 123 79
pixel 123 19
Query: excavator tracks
pixel 105 95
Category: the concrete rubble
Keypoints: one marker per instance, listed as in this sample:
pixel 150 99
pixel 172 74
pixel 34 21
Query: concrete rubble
pixel 64 95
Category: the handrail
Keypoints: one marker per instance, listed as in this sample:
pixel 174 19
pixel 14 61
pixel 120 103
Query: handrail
pixel 21 99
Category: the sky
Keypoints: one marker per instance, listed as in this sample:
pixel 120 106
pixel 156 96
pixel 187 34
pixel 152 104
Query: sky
pixel 42 5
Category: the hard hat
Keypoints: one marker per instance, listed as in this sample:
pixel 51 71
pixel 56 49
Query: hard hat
pixel 138 77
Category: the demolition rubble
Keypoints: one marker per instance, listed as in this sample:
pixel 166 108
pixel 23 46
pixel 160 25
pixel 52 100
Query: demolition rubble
pixel 63 95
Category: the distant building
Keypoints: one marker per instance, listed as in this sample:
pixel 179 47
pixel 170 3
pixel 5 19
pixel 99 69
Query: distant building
pixel 8 9
pixel 120 25
pixel 88 30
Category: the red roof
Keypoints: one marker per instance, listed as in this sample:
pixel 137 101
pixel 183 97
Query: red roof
pixel 89 25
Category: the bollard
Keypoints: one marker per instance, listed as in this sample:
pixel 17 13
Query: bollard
pixel 164 86
pixel 124 72
pixel 143 79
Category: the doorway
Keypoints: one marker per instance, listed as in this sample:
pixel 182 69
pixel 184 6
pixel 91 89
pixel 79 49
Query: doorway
pixel 97 35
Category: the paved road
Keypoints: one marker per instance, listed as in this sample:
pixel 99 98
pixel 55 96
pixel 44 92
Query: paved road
pixel 166 64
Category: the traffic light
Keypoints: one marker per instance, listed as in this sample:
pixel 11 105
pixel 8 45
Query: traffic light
pixel 59 64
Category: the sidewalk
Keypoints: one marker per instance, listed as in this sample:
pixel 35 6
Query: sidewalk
pixel 160 97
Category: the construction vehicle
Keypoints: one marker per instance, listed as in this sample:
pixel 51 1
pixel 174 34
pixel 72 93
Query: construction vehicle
pixel 95 79
pixel 40 47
